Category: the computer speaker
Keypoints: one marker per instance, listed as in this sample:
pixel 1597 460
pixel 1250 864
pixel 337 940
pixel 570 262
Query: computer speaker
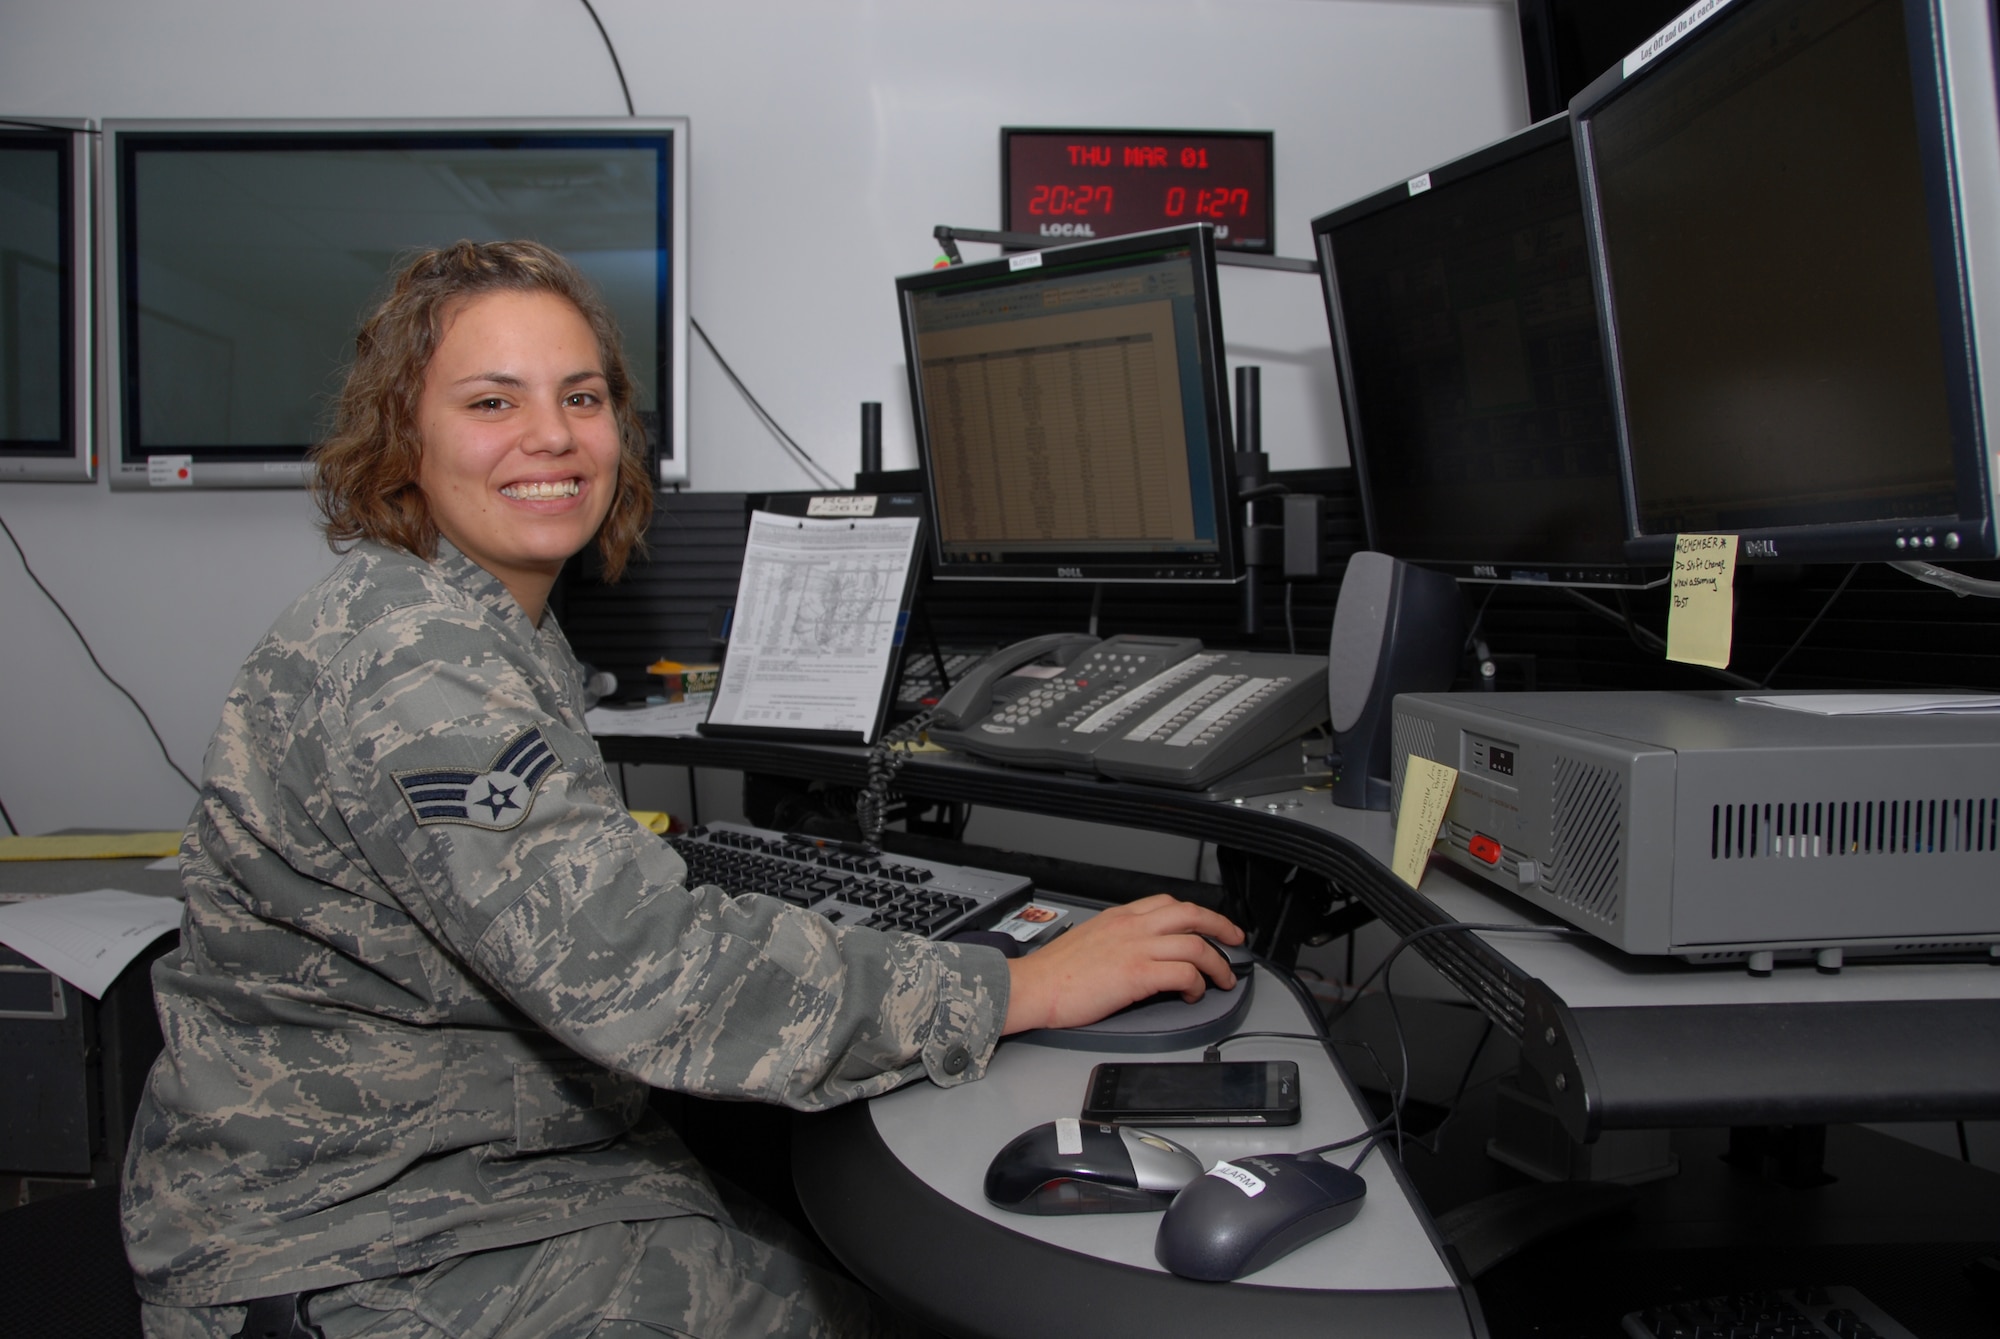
pixel 1397 629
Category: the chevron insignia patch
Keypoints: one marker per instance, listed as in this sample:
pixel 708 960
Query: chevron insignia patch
pixel 496 799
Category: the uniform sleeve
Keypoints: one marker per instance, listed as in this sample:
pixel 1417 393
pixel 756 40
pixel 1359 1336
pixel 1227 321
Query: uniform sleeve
pixel 493 822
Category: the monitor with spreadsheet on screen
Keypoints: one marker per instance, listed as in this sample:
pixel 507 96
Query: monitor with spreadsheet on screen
pixel 1471 374
pixel 1795 208
pixel 239 258
pixel 1072 414
pixel 44 301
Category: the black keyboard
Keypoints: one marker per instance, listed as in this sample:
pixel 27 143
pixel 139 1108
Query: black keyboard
pixel 844 883
pixel 1782 1313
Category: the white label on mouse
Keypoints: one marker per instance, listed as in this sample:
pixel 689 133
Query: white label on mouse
pixel 1069 1136
pixel 1248 1182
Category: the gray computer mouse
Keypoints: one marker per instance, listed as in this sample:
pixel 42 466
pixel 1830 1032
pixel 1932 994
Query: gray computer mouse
pixel 1073 1166
pixel 1246 1213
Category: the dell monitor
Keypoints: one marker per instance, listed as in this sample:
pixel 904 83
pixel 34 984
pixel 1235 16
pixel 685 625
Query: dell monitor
pixel 239 258
pixel 45 183
pixel 1795 217
pixel 1471 375
pixel 1072 414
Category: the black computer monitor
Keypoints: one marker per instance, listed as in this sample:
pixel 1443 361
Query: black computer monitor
pixel 1072 414
pixel 1795 211
pixel 240 257
pixel 1471 374
pixel 44 301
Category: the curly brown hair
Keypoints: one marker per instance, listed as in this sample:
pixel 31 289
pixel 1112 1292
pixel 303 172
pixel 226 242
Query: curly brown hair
pixel 365 476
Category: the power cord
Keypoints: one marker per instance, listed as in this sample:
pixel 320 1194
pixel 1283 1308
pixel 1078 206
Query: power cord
pixel 616 64
pixel 824 479
pixel 12 831
pixel 85 643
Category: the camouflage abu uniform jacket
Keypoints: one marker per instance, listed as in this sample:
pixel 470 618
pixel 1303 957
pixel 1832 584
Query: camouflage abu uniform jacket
pixel 428 961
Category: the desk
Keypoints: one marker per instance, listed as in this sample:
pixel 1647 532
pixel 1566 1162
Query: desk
pixel 1636 1043
pixel 894 1185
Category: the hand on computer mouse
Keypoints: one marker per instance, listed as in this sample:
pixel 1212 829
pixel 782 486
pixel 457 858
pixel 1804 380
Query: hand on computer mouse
pixel 1119 956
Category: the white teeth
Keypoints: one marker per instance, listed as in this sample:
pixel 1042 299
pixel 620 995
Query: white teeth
pixel 562 488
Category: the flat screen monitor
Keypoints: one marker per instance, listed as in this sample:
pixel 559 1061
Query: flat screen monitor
pixel 1072 413
pixel 1795 212
pixel 240 257
pixel 45 184
pixel 1471 374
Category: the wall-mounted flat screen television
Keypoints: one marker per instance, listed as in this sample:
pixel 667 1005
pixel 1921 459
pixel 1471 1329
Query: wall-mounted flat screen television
pixel 239 258
pixel 45 183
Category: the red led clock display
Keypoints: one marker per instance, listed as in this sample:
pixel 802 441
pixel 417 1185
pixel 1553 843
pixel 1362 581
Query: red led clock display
pixel 1069 185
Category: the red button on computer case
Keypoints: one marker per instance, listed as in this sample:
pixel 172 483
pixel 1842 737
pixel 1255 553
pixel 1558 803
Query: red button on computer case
pixel 1484 848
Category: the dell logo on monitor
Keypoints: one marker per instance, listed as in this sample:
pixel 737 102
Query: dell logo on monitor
pixel 1076 572
pixel 1760 548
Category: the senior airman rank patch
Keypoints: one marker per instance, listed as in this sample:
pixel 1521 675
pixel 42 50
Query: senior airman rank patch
pixel 496 799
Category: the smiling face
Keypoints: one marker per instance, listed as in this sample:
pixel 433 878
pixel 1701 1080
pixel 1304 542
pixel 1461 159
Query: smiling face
pixel 520 443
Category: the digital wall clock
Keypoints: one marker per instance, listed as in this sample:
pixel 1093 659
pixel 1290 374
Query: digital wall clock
pixel 1066 185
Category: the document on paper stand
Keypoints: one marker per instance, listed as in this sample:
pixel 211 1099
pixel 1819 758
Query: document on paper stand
pixel 819 614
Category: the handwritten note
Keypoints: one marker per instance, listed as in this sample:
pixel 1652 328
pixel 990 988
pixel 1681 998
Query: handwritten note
pixel 1702 604
pixel 1426 791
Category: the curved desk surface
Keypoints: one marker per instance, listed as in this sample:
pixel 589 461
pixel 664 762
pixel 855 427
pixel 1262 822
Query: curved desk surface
pixel 895 1187
pixel 1620 1042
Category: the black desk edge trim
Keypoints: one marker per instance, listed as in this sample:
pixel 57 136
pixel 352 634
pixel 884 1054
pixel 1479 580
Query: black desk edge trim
pixel 1615 1078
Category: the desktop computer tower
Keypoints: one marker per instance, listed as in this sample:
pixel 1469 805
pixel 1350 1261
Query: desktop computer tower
pixel 1705 826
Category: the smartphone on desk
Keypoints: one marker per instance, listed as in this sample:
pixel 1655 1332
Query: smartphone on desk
pixel 1222 1092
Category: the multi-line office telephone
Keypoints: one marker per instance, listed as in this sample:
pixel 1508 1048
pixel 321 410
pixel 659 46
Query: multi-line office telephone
pixel 1163 710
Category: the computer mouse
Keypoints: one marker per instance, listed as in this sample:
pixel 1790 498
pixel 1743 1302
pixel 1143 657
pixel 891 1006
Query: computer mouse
pixel 1240 961
pixel 1245 1214
pixel 1073 1166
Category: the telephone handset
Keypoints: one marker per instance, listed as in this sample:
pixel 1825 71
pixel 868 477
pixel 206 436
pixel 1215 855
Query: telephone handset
pixel 972 696
pixel 1157 709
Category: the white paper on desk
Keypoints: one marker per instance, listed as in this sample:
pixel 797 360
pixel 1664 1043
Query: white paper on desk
pixel 87 938
pixel 660 719
pixel 815 623
pixel 1882 704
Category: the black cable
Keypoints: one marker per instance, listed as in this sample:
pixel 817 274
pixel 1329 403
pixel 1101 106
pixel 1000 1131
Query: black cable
pixel 1772 672
pixel 1566 931
pixel 616 64
pixel 1964 1148
pixel 85 643
pixel 1291 637
pixel 884 761
pixel 1647 640
pixel 825 479
pixel 12 831
pixel 1478 614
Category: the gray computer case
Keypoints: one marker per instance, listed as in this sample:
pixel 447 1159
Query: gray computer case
pixel 1703 825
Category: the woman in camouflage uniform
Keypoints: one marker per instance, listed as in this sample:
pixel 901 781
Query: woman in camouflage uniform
pixel 429 964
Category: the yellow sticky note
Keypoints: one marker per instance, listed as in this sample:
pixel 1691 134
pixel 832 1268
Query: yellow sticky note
pixel 91 846
pixel 1426 791
pixel 1702 604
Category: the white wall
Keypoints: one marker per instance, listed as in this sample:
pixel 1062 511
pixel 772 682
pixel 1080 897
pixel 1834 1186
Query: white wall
pixel 827 141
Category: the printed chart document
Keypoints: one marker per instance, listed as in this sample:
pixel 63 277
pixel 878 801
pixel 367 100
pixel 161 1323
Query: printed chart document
pixel 818 613
pixel 87 938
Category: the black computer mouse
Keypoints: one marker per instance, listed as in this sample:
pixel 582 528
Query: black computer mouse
pixel 1241 963
pixel 1073 1166
pixel 1247 1213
